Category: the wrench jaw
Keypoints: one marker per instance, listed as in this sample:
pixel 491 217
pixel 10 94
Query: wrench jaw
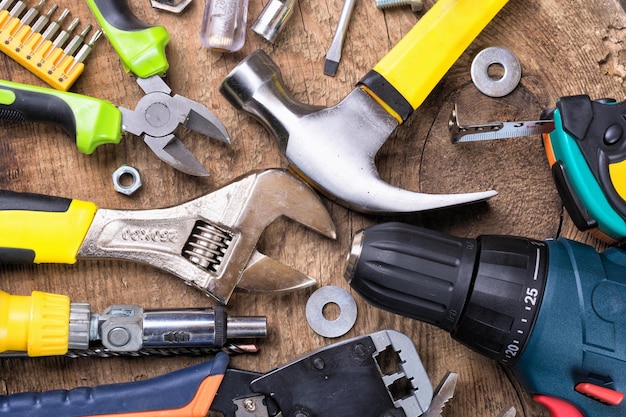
pixel 210 242
pixel 334 148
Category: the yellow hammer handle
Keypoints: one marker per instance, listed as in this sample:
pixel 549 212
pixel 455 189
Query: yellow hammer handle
pixel 404 77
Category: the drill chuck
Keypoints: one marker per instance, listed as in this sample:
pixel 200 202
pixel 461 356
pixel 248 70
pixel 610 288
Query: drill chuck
pixel 486 292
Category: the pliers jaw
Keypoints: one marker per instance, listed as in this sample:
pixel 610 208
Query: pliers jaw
pixel 210 242
pixel 157 117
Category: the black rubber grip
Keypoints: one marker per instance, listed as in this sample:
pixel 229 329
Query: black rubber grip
pixel 31 106
pixel 10 200
pixel 16 256
pixel 119 15
pixel 387 93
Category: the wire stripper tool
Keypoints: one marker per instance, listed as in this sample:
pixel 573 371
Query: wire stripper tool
pixel 585 143
pixel 45 324
pixel 373 375
pixel 209 242
pixel 37 49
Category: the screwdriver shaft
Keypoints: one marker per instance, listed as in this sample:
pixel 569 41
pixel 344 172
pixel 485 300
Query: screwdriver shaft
pixel 334 52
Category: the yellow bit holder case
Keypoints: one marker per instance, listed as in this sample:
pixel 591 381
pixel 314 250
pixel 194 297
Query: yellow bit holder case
pixel 49 65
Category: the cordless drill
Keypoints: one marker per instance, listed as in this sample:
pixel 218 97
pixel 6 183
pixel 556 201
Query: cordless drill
pixel 554 311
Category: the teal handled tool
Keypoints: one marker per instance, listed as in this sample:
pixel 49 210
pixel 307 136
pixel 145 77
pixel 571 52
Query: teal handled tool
pixel 367 370
pixel 553 311
pixel 585 142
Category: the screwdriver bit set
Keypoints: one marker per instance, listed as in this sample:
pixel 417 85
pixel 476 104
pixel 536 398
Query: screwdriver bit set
pixel 41 44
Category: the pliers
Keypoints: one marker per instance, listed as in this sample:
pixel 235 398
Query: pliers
pixel 94 122
pixel 373 375
pixel 209 242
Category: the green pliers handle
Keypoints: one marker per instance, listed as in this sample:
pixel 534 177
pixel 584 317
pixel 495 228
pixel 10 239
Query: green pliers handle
pixel 91 121
pixel 141 47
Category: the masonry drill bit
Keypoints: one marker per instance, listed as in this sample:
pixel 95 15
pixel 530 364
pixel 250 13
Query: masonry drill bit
pixel 51 30
pixel 62 37
pixel 334 52
pixel 14 12
pixel 84 51
pixel 74 44
pixel 40 23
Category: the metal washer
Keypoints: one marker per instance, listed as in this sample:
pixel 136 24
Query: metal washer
pixel 496 87
pixel 315 311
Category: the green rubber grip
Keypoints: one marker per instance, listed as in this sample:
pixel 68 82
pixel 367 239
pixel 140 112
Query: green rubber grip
pixel 93 122
pixel 141 47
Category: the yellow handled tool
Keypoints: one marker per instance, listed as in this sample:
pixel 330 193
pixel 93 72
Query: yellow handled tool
pixel 210 242
pixel 37 324
pixel 404 77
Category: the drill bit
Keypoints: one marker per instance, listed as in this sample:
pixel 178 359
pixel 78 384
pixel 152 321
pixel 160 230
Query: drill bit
pixel 334 52
pixel 84 51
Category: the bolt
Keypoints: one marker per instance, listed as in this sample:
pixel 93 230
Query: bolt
pixel 416 5
pixel 360 350
pixel 319 364
pixel 249 405
pixel 119 336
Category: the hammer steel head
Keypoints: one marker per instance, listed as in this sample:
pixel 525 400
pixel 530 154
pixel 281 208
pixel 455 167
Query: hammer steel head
pixel 333 148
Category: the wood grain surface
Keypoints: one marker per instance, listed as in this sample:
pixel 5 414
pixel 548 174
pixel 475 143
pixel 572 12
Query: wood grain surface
pixel 564 46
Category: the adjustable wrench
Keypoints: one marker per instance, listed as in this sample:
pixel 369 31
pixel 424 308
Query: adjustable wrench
pixel 209 242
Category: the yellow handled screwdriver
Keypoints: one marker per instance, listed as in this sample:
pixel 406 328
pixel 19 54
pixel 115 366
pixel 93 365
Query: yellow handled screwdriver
pixel 45 324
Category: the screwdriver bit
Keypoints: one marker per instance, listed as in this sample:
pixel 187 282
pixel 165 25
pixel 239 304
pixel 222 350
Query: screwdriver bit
pixel 74 44
pixel 40 23
pixel 51 30
pixel 62 37
pixel 84 51
pixel 14 12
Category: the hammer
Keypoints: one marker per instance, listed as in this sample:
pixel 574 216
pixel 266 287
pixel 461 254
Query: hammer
pixel 334 148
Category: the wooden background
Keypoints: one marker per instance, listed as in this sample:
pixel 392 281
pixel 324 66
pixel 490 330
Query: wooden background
pixel 565 47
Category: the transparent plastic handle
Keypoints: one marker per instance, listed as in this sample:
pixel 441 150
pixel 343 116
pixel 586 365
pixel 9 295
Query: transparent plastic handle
pixel 224 25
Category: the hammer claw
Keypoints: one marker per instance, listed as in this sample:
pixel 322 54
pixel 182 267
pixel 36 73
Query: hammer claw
pixel 334 148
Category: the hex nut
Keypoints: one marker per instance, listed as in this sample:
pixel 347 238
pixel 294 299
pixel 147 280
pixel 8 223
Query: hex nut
pixel 125 171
